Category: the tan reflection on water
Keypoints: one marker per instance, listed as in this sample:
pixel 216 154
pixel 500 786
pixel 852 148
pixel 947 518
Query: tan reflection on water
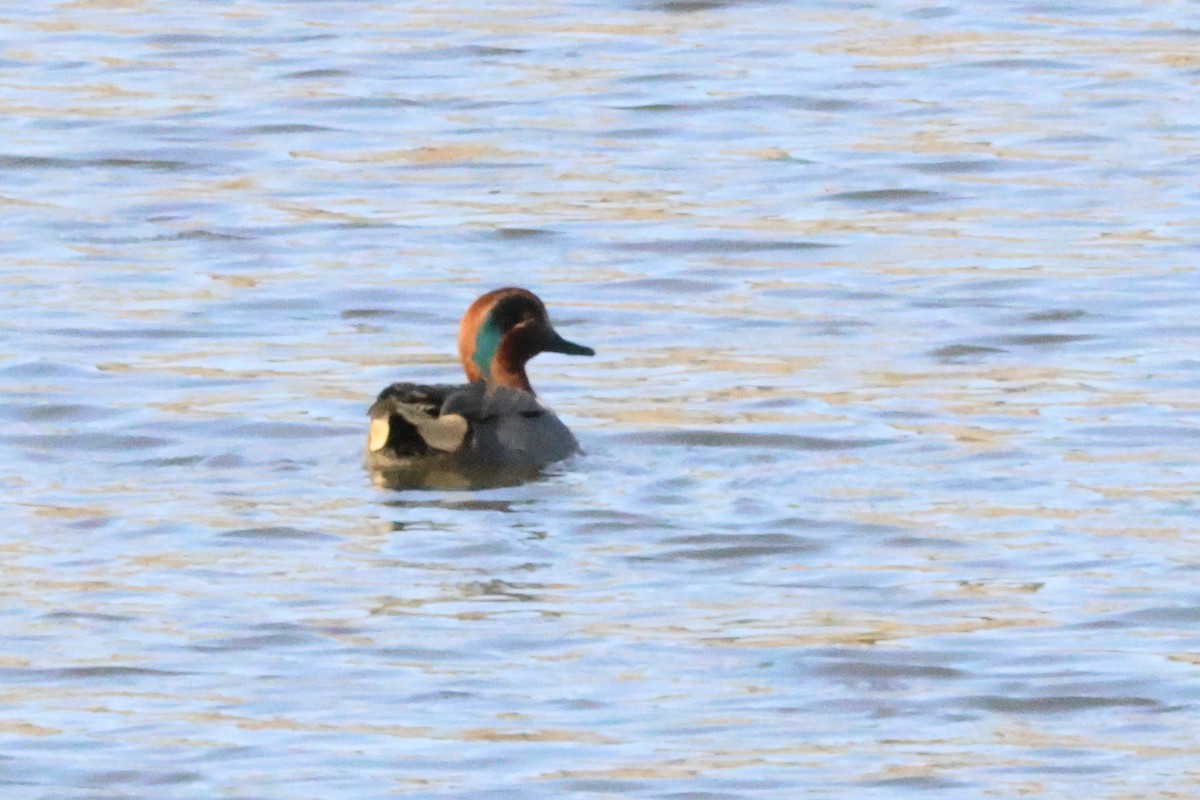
pixel 890 478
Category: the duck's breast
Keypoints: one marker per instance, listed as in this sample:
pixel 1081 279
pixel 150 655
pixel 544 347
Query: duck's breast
pixel 513 429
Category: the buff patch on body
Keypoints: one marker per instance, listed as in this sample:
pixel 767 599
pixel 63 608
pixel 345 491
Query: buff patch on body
pixel 377 437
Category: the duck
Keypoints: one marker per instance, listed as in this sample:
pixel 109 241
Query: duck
pixel 495 424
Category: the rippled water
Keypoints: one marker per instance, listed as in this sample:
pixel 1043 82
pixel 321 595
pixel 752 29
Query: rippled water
pixel 891 476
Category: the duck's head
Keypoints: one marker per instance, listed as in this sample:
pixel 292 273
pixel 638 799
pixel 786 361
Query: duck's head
pixel 504 329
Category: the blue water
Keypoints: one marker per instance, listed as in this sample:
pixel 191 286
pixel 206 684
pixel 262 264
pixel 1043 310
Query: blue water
pixel 890 476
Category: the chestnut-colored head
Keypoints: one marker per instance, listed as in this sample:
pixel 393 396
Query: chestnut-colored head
pixel 504 329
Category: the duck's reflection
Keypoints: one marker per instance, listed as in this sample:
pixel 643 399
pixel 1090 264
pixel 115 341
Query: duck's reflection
pixel 450 477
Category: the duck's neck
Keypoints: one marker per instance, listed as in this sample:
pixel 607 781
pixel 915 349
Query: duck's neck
pixel 512 378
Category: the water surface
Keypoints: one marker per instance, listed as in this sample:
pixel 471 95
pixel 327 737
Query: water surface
pixel 890 485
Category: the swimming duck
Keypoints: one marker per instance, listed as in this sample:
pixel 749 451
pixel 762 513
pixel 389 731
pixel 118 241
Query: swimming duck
pixel 494 423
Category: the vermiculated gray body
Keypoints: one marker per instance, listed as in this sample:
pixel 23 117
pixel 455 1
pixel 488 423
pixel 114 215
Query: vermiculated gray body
pixel 472 426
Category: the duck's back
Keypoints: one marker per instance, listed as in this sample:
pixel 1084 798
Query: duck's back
pixel 392 436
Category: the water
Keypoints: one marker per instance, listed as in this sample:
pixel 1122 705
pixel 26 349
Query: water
pixel 891 475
